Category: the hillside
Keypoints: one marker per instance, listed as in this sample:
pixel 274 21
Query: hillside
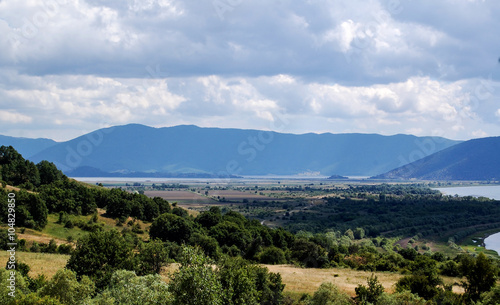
pixel 26 146
pixel 191 149
pixel 476 159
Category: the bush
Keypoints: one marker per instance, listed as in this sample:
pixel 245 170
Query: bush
pixel 328 293
pixel 126 288
pixel 65 287
pixel 273 256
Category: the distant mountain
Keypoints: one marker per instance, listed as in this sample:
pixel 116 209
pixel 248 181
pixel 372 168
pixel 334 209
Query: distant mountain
pixel 191 149
pixel 477 159
pixel 25 146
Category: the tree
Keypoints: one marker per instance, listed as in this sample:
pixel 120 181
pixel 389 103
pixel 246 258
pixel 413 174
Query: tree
pixel 65 287
pixel 230 233
pixel 126 288
pixel 272 255
pixel 491 297
pixel 238 282
pixel 309 254
pixel 480 273
pixel 370 294
pixel 99 254
pixel 207 243
pixel 152 257
pixel 15 170
pixel 49 172
pixel 209 219
pixel 196 282
pixel 359 233
pixel 329 294
pixel 170 227
pixel 424 280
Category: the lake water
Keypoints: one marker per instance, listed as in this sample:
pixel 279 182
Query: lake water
pixel 490 191
pixel 491 242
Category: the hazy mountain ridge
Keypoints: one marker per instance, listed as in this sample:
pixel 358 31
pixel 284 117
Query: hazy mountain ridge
pixel 191 149
pixel 26 146
pixel 477 159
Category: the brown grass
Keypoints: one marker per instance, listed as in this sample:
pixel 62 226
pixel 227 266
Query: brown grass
pixel 303 280
pixel 180 196
pixel 40 263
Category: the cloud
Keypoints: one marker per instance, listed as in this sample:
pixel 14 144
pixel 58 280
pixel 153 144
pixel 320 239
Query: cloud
pixel 13 117
pixel 327 66
pixel 354 42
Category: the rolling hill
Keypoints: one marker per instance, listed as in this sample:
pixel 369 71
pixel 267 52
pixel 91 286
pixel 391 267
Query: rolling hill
pixel 136 148
pixel 477 159
pixel 26 146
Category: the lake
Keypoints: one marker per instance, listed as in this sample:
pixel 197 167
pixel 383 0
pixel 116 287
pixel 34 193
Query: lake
pixel 491 242
pixel 490 191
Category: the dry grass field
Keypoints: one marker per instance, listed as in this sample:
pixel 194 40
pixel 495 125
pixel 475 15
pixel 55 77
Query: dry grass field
pixel 182 197
pixel 307 280
pixel 297 280
pixel 40 263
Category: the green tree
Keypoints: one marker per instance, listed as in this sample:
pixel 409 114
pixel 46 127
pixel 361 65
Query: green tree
pixel 15 170
pixel 230 233
pixel 49 172
pixel 126 288
pixel 359 233
pixel 272 255
pixel 491 297
pixel 208 244
pixel 480 273
pixel 370 294
pixel 152 256
pixel 309 254
pixel 424 280
pixel 329 294
pixel 238 282
pixel 196 282
pixel 99 254
pixel 170 227
pixel 20 288
pixel 65 287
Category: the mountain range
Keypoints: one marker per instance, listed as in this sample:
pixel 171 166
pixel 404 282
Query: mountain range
pixel 141 150
pixel 477 159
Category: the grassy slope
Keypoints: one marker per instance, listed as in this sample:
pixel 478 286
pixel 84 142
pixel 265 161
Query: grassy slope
pixel 297 280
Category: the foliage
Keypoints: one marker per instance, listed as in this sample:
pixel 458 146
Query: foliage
pixel 126 288
pixel 99 254
pixel 491 297
pixel 402 298
pixel 21 287
pixel 272 255
pixel 480 273
pixel 370 294
pixel 329 294
pixel 170 227
pixel 196 282
pixel 424 280
pixel 152 256
pixel 65 287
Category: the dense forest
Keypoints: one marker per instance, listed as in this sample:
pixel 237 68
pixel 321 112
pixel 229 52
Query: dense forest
pixel 219 251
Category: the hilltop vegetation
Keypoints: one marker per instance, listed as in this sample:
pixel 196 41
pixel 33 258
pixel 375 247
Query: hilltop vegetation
pixel 219 249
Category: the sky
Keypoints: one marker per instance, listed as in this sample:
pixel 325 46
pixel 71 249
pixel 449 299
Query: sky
pixel 428 68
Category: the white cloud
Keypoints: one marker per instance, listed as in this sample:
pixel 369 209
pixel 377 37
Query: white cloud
pixel 13 117
pixel 339 66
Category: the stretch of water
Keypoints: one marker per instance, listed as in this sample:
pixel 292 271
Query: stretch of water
pixel 491 242
pixel 490 191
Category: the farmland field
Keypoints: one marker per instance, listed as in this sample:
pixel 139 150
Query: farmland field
pixel 182 197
